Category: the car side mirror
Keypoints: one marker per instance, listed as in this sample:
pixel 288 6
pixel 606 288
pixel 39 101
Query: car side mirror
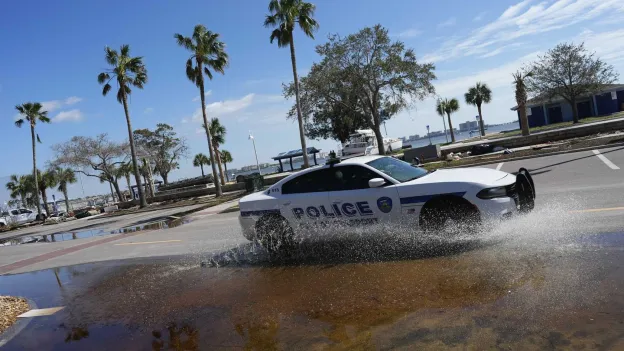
pixel 376 182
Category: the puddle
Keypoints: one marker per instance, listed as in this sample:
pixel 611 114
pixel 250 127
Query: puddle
pixel 82 234
pixel 493 295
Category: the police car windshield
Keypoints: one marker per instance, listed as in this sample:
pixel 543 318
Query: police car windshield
pixel 397 169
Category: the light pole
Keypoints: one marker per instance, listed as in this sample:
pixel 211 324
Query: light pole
pixel 428 134
pixel 251 137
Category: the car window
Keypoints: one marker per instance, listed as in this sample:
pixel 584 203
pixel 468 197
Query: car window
pixel 23 210
pixel 397 169
pixel 14 212
pixel 311 182
pixel 351 177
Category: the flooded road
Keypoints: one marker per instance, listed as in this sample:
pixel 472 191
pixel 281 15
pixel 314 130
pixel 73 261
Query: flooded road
pixel 510 289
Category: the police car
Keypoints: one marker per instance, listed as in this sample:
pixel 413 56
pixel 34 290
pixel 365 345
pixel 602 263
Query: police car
pixel 381 189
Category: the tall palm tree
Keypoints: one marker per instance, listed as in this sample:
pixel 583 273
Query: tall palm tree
pixel 32 112
pixel 447 107
pixel 226 157
pixel 200 160
pixel 208 54
pixel 217 135
pixel 127 71
pixel 521 99
pixel 18 187
pixel 284 16
pixel 477 95
pixel 65 176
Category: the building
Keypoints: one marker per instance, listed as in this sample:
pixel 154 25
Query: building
pixel 468 126
pixel 542 111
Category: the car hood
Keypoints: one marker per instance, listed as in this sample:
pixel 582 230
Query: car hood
pixel 485 176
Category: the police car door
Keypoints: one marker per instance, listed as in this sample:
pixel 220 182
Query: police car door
pixel 304 200
pixel 357 201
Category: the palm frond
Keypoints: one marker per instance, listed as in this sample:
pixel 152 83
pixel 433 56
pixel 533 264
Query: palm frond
pixel 43 117
pixel 120 96
pixel 208 73
pixel 19 123
pixel 106 89
pixel 124 50
pixel 184 42
pixel 270 21
pixel 111 56
pixel 103 77
pixel 39 139
pixel 191 72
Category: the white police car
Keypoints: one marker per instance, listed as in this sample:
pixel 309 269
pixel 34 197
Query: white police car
pixel 380 189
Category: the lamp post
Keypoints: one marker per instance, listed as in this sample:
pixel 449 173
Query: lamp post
pixel 428 134
pixel 251 137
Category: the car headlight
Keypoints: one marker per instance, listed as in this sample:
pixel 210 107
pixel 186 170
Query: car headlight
pixel 491 193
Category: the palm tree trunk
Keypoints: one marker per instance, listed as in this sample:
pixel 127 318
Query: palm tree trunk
pixel 116 186
pixel 135 166
pixel 451 128
pixel 212 156
pixel 481 120
pixel 293 59
pixel 218 155
pixel 128 181
pixel 32 134
pixel 226 171
pixel 524 121
pixel 201 165
pixel 165 178
pixel 66 200
pixel 23 198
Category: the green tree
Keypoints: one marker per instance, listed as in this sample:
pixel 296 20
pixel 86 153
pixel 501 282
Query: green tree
pixel 125 170
pixel 44 181
pixel 208 55
pixel 368 74
pixel 448 107
pixel 18 187
pixel 127 71
pixel 521 99
pixel 65 176
pixel 478 95
pixel 217 135
pixel 32 113
pixel 569 71
pixel 163 146
pixel 200 160
pixel 226 157
pixel 284 16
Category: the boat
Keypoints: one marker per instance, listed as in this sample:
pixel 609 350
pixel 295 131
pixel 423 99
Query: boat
pixel 363 141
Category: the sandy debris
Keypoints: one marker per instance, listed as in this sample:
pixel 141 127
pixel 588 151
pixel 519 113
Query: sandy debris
pixel 10 308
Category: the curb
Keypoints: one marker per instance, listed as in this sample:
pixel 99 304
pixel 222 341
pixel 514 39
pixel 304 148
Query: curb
pixel 587 148
pixel 18 326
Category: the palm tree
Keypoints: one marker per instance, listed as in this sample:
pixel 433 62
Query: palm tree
pixel 127 71
pixel 32 112
pixel 521 99
pixel 284 16
pixel 477 95
pixel 217 135
pixel 44 181
pixel 447 107
pixel 226 157
pixel 200 160
pixel 125 170
pixel 208 52
pixel 65 176
pixel 18 186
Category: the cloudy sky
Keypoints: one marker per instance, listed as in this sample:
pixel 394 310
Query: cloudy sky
pixel 55 53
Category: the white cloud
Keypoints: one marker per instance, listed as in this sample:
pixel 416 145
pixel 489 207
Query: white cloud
pixel 72 100
pixel 68 116
pixel 206 94
pixel 148 110
pixel 410 33
pixel 524 19
pixel 479 17
pixel 607 45
pixel 448 23
pixel 185 120
pixel 57 104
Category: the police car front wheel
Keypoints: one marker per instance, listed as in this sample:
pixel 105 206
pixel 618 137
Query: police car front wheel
pixel 448 215
pixel 274 233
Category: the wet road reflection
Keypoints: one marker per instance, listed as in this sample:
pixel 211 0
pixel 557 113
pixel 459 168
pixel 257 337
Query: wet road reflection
pixel 360 294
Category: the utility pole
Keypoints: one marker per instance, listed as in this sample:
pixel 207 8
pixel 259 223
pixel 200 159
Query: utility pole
pixel 251 137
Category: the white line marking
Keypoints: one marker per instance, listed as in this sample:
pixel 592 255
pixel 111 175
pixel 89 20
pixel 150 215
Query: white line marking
pixel 605 160
pixel 500 165
pixel 148 242
pixel 40 312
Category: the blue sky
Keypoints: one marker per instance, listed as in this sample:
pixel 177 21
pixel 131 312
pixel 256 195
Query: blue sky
pixel 54 53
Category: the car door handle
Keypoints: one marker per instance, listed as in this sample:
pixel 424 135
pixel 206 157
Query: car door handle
pixel 287 203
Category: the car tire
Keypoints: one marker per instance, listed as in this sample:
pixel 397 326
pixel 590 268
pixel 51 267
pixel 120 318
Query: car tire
pixel 274 233
pixel 449 216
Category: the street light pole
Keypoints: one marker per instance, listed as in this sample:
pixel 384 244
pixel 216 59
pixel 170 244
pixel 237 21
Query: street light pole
pixel 428 135
pixel 251 137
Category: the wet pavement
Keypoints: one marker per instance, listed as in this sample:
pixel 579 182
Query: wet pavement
pixel 523 285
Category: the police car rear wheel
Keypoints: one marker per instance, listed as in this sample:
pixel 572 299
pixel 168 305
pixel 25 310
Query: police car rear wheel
pixel 274 233
pixel 449 216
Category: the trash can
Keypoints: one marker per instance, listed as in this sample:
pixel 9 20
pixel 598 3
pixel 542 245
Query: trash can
pixel 254 183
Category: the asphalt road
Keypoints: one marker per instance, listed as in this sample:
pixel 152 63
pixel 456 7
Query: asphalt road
pixel 553 279
pixel 578 187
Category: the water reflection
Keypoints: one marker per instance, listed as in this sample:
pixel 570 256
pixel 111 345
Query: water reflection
pixel 183 338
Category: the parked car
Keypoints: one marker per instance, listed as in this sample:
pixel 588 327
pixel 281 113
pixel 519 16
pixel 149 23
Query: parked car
pixel 22 216
pixel 5 219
